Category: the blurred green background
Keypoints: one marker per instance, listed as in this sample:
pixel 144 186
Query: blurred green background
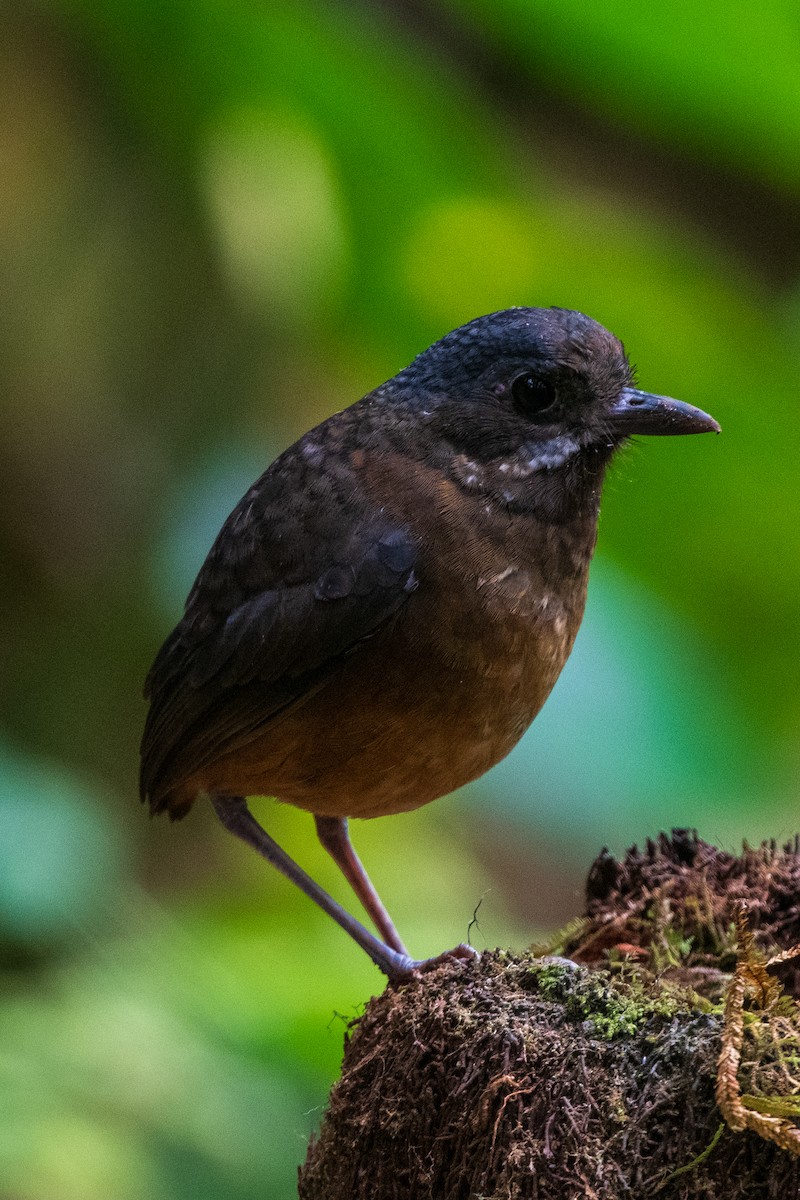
pixel 220 222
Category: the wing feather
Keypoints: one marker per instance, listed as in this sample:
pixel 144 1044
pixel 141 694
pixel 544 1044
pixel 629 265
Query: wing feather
pixel 273 613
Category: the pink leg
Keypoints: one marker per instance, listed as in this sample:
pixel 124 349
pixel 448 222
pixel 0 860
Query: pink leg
pixel 395 963
pixel 333 833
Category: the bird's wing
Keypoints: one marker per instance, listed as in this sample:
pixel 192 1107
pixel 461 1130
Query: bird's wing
pixel 304 570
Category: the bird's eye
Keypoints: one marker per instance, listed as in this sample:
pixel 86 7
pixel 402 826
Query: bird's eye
pixel 533 395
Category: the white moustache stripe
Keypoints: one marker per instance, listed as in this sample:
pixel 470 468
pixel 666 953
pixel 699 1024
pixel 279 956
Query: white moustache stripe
pixel 545 457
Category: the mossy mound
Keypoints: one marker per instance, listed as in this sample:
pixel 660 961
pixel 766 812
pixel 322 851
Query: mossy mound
pixel 518 1078
pixel 673 906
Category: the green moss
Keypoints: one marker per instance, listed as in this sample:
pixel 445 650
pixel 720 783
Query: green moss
pixel 611 1005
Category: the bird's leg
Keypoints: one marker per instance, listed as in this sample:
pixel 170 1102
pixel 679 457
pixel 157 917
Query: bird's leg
pixel 333 833
pixel 237 818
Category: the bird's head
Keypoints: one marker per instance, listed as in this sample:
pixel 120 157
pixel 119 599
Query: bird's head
pixel 526 394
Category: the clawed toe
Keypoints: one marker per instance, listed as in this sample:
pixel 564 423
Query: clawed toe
pixel 404 969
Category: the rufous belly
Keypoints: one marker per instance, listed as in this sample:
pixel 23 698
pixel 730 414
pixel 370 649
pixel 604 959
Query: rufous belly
pixel 416 716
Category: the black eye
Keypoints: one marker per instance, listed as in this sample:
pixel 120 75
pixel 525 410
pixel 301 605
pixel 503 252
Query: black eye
pixel 533 395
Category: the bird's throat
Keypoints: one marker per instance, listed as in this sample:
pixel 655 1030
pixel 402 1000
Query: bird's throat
pixel 558 482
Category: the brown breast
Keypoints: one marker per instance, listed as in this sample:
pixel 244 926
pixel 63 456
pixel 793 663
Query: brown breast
pixel 448 689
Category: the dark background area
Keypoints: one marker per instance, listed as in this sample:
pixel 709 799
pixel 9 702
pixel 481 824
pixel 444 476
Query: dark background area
pixel 219 223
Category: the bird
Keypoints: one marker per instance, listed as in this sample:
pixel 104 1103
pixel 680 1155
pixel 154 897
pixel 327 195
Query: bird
pixel 388 607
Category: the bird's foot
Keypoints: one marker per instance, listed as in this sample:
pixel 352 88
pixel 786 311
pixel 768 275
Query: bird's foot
pixel 403 966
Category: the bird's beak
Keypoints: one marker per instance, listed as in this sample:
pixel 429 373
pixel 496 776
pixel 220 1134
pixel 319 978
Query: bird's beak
pixel 642 412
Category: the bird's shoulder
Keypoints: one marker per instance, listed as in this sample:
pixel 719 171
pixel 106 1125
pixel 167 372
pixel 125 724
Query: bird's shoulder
pixel 305 539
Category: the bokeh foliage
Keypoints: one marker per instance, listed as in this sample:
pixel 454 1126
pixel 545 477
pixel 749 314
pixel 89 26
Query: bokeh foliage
pixel 219 222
